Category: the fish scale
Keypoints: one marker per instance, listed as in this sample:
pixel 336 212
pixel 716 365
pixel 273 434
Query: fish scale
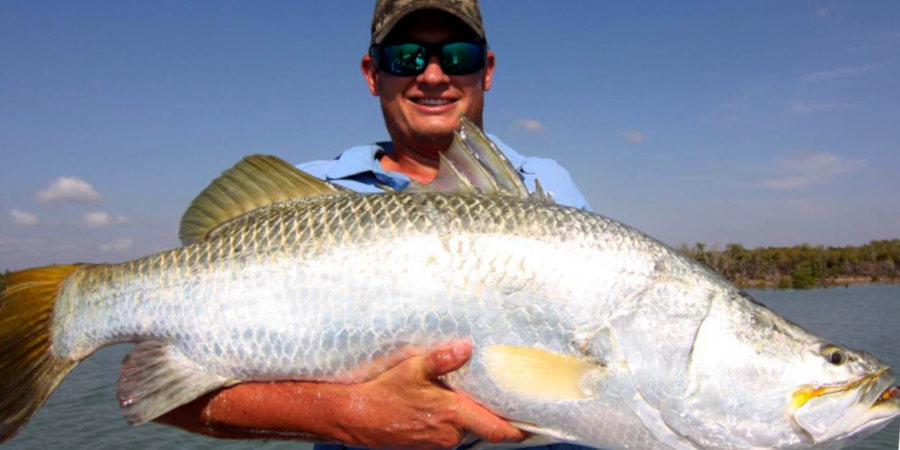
pixel 234 273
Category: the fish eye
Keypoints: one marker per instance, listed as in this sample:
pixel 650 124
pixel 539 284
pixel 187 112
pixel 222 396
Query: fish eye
pixel 834 355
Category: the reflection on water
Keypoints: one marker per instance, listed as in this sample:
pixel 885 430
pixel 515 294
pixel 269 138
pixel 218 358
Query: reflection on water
pixel 84 413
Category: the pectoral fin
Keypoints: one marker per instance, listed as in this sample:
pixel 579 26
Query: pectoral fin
pixel 538 374
pixel 156 378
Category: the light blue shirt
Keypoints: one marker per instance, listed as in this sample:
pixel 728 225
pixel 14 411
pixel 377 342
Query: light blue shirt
pixel 359 169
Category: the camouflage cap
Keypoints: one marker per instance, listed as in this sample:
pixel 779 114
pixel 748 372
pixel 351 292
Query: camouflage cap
pixel 389 12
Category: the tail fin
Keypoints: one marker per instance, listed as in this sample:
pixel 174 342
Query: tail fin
pixel 28 371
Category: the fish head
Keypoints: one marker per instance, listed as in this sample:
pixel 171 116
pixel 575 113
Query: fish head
pixel 756 379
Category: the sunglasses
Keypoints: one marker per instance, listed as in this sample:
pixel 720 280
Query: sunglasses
pixel 406 60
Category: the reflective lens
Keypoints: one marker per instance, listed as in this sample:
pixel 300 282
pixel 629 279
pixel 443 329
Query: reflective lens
pixel 403 59
pixel 456 58
pixel 460 58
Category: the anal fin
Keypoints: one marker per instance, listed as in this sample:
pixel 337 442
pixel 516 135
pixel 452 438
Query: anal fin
pixel 157 378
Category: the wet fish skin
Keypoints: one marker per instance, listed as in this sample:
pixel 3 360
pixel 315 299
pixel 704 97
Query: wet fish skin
pixel 323 255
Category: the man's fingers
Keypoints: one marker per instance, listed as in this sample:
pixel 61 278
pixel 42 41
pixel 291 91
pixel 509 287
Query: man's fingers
pixel 448 358
pixel 478 420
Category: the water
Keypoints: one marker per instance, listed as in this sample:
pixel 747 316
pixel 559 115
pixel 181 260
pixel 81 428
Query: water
pixel 84 413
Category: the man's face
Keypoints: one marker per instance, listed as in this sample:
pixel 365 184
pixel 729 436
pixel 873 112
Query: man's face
pixel 423 111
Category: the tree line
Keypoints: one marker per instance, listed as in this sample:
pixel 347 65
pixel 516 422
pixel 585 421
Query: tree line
pixel 798 267
pixel 803 266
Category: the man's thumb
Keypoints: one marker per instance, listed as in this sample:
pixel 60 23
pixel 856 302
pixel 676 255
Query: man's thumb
pixel 447 358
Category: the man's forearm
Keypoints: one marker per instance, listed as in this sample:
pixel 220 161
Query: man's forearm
pixel 284 410
pixel 404 407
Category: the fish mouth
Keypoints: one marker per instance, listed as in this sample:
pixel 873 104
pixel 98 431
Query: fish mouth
pixel 879 382
pixel 889 394
pixel 847 411
pixel 806 393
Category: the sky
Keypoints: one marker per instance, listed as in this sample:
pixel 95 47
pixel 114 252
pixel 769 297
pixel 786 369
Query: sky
pixel 768 123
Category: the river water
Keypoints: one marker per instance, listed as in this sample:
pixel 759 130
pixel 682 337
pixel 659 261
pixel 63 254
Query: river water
pixel 84 414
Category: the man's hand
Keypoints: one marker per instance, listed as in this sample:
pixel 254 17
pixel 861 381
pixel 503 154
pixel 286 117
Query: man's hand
pixel 404 407
pixel 407 407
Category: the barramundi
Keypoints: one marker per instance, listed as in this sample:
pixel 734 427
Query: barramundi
pixel 584 330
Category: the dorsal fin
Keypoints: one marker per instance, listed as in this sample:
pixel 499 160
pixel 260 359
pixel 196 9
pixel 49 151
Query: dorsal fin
pixel 468 176
pixel 473 163
pixel 492 159
pixel 540 194
pixel 256 181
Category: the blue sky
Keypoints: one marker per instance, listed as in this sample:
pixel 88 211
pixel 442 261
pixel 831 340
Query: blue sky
pixel 766 123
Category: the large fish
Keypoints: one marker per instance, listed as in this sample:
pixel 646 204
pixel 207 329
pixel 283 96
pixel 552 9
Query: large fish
pixel 584 330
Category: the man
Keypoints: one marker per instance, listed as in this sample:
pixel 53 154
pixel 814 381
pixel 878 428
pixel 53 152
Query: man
pixel 428 64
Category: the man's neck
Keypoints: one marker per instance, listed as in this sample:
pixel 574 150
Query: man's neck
pixel 418 163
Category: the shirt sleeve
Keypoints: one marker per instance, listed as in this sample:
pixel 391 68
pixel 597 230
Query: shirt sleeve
pixel 317 169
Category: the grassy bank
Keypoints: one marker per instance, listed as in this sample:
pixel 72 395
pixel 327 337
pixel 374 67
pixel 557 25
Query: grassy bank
pixel 788 282
pixel 803 266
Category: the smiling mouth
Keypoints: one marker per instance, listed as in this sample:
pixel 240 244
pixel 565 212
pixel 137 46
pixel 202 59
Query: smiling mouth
pixel 432 101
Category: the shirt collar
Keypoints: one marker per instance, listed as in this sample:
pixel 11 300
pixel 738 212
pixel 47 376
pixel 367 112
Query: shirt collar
pixel 365 159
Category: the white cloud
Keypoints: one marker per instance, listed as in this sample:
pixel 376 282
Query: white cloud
pixel 116 245
pixel 23 218
pixel 809 167
pixel 68 189
pixel 99 219
pixel 530 125
pixel 803 107
pixel 633 136
pixel 841 72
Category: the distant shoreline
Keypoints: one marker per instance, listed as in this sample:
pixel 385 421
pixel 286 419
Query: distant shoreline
pixel 827 283
pixel 802 266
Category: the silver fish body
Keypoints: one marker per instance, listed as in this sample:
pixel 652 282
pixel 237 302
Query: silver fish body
pixel 314 289
pixel 339 288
